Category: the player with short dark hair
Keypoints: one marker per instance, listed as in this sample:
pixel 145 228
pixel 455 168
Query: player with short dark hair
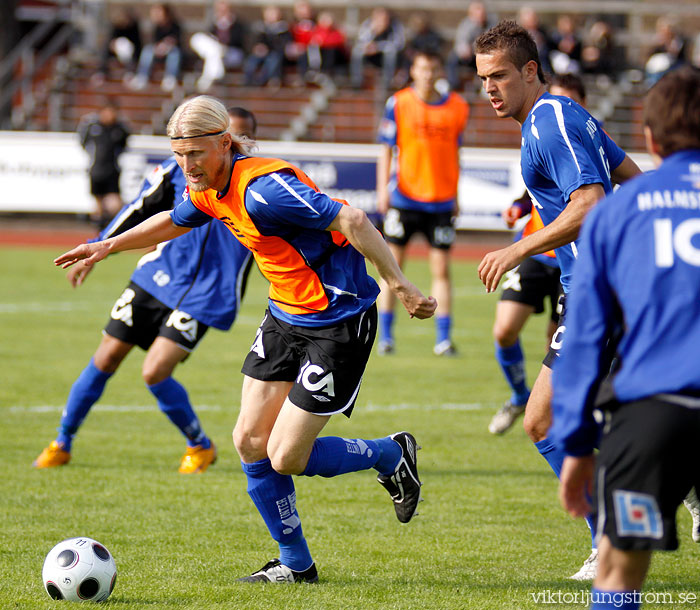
pixel 424 126
pixel 308 358
pixel 175 294
pixel 651 401
pixel 568 163
pixel 526 289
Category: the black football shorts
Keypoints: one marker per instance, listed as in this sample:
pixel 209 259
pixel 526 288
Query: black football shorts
pixel 646 466
pixel 138 318
pixel 400 225
pixel 325 364
pixel 532 283
pixel 558 336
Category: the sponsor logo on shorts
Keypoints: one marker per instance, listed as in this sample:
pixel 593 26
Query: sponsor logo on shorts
pixel 444 236
pixel 512 280
pixel 184 323
pixel 122 309
pixel 558 338
pixel 323 381
pixel 393 227
pixel 637 515
pixel 257 346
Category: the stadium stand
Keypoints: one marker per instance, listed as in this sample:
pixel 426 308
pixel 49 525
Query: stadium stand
pixel 50 86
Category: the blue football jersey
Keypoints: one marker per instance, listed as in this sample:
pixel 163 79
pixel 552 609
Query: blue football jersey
pixel 202 272
pixel 564 148
pixel 281 205
pixel 638 273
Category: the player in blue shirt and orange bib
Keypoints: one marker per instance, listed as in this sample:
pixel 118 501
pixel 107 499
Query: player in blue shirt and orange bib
pixel 424 127
pixel 308 357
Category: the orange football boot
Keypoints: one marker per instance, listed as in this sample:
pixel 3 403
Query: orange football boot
pixel 53 455
pixel 197 459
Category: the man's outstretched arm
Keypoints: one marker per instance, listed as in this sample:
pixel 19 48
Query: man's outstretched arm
pixel 150 232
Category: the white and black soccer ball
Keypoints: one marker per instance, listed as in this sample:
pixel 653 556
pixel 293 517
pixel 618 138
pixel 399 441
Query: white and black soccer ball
pixel 78 570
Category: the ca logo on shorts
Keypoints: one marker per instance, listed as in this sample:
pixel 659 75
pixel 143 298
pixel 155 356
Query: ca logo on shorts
pixel 324 382
pixel 558 338
pixel 122 309
pixel 184 323
pixel 637 514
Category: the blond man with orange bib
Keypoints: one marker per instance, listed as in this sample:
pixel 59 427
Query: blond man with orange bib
pixel 308 357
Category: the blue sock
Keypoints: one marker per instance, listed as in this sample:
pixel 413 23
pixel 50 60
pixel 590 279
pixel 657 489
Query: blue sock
pixel 443 325
pixel 615 600
pixel 274 496
pixel 512 363
pixel 174 402
pixel 555 458
pixel 332 455
pixel 86 391
pixel 551 453
pixel 591 526
pixel 386 323
pixel 296 554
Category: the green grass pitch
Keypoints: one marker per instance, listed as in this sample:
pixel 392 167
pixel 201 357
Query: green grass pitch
pixel 490 534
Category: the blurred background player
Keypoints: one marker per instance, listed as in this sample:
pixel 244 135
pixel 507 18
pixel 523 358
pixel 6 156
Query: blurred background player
pixel 568 163
pixel 176 292
pixel 648 451
pixel 104 138
pixel 425 126
pixel 525 290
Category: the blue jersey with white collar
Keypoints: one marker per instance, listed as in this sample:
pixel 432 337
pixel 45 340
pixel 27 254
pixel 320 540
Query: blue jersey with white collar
pixel 638 271
pixel 564 148
pixel 202 272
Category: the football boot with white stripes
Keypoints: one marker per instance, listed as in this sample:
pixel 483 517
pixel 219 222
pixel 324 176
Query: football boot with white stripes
pixel 403 484
pixel 276 572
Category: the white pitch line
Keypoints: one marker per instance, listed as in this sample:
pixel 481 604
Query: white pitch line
pixel 369 408
pixel 67 306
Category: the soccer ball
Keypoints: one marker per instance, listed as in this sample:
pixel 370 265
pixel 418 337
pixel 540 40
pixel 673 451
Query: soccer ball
pixel 79 569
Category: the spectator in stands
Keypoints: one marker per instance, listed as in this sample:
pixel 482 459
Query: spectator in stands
pixel 599 54
pixel 222 47
pixel 165 45
pixel 123 42
pixel 529 19
pixel 695 58
pixel 462 54
pixel 565 56
pixel 104 138
pixel 669 51
pixel 327 47
pixel 270 39
pixel 380 40
pixel 422 37
pixel 301 27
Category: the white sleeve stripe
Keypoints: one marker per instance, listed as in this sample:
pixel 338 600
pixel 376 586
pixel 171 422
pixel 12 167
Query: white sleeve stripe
pixel 158 177
pixel 277 178
pixel 556 104
pixel 258 197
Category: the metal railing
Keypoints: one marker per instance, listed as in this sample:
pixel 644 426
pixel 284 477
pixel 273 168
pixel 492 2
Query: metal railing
pixel 26 60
